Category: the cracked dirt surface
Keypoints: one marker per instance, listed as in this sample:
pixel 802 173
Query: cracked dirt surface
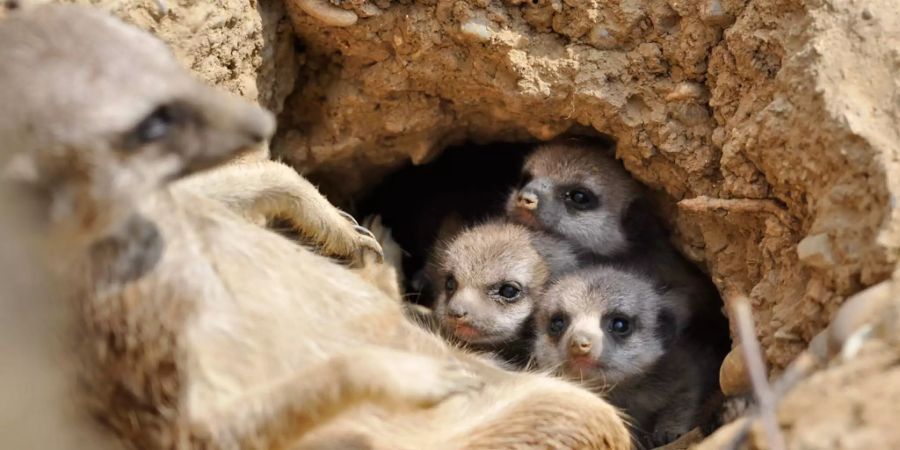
pixel 758 105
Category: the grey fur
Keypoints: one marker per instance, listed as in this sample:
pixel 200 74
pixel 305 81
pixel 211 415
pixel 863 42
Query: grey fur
pixel 656 373
pixel 620 227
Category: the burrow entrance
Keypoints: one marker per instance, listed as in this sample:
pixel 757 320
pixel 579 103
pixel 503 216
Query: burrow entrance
pixel 471 184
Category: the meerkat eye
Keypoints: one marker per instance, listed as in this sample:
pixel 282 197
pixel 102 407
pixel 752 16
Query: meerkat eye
pixel 509 291
pixel 157 125
pixel 581 199
pixel 450 284
pixel 620 326
pixel 558 323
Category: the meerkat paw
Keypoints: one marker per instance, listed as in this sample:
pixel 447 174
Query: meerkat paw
pixel 393 254
pixel 354 242
pixel 420 380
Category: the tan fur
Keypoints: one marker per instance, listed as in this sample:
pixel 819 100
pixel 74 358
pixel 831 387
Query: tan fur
pixel 479 261
pixel 202 329
pixel 40 408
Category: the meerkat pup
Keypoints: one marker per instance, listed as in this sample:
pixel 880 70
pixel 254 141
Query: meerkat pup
pixel 488 280
pixel 581 193
pixel 620 333
pixel 198 327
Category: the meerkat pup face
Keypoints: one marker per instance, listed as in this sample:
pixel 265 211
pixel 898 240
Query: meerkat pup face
pixel 487 281
pixel 602 325
pixel 95 113
pixel 578 192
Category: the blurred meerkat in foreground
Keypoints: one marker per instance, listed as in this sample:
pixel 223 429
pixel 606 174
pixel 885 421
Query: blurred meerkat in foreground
pixel 620 333
pixel 200 327
pixel 488 281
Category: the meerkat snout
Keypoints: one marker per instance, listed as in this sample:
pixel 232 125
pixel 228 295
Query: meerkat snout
pixel 97 120
pixel 527 201
pixel 458 307
pixel 580 345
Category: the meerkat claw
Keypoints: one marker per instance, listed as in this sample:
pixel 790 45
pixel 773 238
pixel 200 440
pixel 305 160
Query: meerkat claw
pixel 367 245
pixel 364 231
pixel 348 216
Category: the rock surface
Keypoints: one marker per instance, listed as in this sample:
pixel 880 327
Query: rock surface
pixel 240 45
pixel 773 122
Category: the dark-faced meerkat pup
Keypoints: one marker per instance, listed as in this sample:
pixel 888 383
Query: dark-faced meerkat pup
pixel 202 329
pixel 619 332
pixel 488 280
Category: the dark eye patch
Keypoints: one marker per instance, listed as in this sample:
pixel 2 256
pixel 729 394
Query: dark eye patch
pixel 666 327
pixel 579 198
pixel 509 291
pixel 159 125
pixel 450 284
pixel 618 325
pixel 558 323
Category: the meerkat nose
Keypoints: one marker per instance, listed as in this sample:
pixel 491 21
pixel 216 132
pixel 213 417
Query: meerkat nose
pixel 259 125
pixel 527 200
pixel 580 346
pixel 457 313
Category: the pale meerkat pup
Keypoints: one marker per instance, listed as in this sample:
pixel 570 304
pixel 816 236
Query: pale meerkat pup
pixel 203 329
pixel 616 331
pixel 488 280
pixel 581 193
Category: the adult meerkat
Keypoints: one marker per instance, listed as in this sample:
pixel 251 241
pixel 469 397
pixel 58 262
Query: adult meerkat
pixel 579 192
pixel 488 280
pixel 203 329
pixel 618 332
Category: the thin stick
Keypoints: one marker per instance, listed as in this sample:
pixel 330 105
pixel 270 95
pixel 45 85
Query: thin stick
pixel 757 368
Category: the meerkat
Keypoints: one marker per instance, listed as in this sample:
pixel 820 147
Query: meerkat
pixel 488 280
pixel 579 192
pixel 201 328
pixel 617 331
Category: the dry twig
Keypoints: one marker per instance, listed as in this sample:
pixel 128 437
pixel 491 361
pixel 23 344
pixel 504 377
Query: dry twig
pixel 757 368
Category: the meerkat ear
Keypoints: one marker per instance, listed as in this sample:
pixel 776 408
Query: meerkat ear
pixel 666 327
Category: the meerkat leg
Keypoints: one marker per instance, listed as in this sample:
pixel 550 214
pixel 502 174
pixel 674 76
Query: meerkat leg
pixel 266 190
pixel 676 419
pixel 280 413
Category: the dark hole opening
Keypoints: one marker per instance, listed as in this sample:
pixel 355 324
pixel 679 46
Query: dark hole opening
pixel 469 181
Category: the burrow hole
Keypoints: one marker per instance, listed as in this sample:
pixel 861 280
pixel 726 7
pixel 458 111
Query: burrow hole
pixel 471 182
